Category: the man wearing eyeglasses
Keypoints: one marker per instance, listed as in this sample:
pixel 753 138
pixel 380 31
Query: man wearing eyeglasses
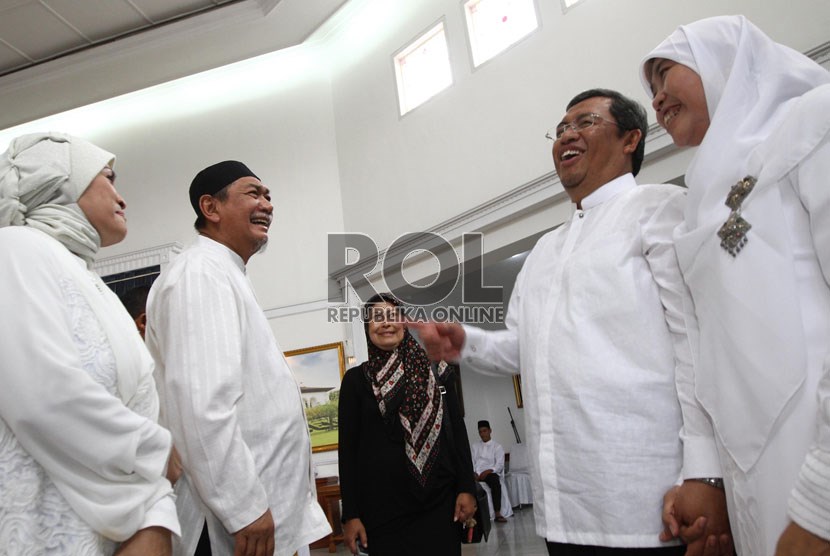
pixel 597 327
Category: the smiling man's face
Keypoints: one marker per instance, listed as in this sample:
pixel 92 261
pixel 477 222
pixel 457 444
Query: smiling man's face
pixel 588 159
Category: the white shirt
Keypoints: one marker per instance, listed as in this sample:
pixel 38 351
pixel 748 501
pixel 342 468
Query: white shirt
pixel 80 467
pixel 232 404
pixel 764 371
pixel 596 325
pixel 488 455
pixel 763 362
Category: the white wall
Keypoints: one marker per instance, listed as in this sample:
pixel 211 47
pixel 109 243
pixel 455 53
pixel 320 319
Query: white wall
pixel 319 124
pixel 485 135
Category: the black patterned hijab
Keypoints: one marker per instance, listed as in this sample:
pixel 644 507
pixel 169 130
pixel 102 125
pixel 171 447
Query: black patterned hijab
pixel 404 386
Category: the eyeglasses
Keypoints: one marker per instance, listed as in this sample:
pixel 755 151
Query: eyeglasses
pixel 581 123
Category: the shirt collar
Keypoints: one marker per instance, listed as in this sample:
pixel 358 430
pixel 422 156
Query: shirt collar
pixel 222 250
pixel 609 191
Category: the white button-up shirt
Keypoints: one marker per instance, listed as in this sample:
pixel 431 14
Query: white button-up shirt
pixel 488 455
pixel 232 404
pixel 596 328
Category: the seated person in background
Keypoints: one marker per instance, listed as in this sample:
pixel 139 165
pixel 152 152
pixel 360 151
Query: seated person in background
pixel 488 464
pixel 135 301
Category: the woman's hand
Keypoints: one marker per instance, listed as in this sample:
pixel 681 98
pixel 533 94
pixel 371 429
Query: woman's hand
pixel 352 531
pixel 465 507
pixel 152 541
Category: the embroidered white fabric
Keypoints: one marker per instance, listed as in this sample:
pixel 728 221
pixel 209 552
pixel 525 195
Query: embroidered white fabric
pixel 33 512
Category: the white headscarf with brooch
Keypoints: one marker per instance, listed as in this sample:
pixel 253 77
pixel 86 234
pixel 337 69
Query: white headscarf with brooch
pixel 757 92
pixel 42 176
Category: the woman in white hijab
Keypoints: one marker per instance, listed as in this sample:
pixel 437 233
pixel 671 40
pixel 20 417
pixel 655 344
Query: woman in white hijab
pixel 755 253
pixel 82 459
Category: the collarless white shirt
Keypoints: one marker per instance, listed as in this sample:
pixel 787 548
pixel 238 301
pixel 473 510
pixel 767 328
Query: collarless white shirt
pixel 232 404
pixel 597 327
pixel 488 455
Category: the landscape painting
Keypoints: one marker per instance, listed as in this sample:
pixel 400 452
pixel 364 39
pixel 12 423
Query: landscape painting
pixel 319 370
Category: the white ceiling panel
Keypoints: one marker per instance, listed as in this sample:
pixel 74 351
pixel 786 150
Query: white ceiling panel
pixel 35 31
pixel 9 58
pixel 6 4
pixel 99 19
pixel 161 10
pixel 48 29
pixel 64 70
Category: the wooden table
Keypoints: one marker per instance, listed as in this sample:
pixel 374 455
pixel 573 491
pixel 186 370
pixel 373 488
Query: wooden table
pixel 328 496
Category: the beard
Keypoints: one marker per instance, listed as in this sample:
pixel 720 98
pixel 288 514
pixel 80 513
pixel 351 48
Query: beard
pixel 261 246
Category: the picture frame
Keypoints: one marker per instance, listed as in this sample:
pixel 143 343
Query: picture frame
pixel 517 390
pixel 319 371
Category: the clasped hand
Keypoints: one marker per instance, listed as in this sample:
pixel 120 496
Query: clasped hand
pixel 696 513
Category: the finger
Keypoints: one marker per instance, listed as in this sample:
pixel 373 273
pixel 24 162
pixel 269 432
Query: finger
pixel 269 546
pixel 671 528
pixel 439 327
pixel 712 547
pixel 693 532
pixel 459 512
pixel 241 547
pixel 695 548
pixel 262 547
pixel 669 519
pixel 351 544
pixel 726 546
pixel 259 547
pixel 363 540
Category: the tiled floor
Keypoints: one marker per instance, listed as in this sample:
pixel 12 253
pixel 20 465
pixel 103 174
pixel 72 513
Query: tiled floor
pixel 517 537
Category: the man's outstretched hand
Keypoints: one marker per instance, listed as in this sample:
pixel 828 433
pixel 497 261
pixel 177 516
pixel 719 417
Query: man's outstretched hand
pixel 441 340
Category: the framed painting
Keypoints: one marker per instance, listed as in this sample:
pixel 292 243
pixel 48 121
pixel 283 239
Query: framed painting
pixel 319 371
pixel 517 389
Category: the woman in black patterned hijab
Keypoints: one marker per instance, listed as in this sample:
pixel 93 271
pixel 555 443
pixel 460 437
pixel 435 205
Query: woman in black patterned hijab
pixel 405 470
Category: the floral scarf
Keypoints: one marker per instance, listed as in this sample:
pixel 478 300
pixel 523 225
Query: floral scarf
pixel 404 385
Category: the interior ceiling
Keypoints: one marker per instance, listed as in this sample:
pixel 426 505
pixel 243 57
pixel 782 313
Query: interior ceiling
pixel 60 54
pixel 36 31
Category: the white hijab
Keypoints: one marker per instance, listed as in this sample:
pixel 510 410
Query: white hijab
pixel 42 176
pixel 750 82
pixel 760 95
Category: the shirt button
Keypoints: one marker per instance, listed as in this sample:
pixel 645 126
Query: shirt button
pixel 472 348
pixel 581 214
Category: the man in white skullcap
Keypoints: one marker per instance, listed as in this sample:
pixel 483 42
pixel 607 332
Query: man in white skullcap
pixel 82 459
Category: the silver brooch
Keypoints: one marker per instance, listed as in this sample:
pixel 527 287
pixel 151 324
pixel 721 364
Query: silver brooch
pixel 733 232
